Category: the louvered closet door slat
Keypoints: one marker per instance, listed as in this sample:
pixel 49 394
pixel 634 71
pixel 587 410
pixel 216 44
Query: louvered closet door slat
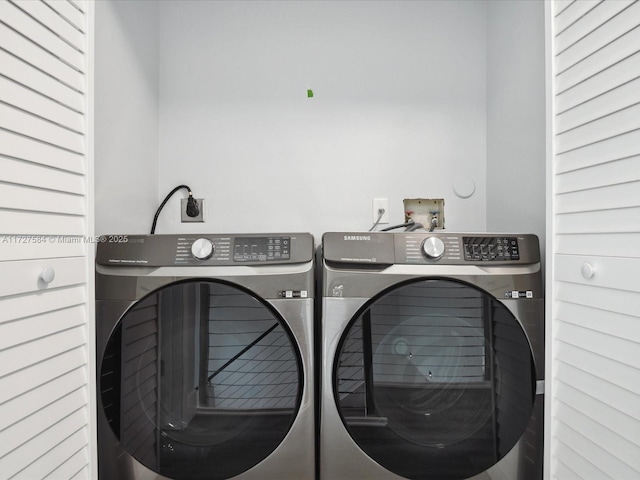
pixel 573 12
pixel 618 273
pixel 614 52
pixel 21 383
pixel 599 152
pixel 48 323
pixel 48 465
pixel 29 427
pixel 68 12
pixel 623 121
pixel 616 455
pixel 80 5
pixel 599 107
pixel 46 15
pixel 23 406
pixel 561 6
pixel 616 172
pixel 593 20
pixel 19 197
pixel 605 392
pixel 610 197
pixel 24 455
pixel 34 223
pixel 618 352
pixel 602 221
pixel 606 33
pixel 627 244
pixel 31 150
pixel 37 104
pixel 578 463
pixel 25 275
pixel 23 306
pixel 615 76
pixel 40 350
pixel 605 299
pixel 617 326
pixel 64 246
pixel 43 37
pixel 39 58
pixel 75 467
pixel 40 82
pixel 625 425
pixel 23 123
pixel 33 175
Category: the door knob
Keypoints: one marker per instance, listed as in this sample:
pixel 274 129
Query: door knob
pixel 47 275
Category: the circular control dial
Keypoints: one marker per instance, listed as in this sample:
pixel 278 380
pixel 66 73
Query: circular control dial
pixel 202 249
pixel 433 248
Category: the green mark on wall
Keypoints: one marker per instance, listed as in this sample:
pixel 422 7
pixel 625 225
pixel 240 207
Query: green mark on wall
pixel 309 93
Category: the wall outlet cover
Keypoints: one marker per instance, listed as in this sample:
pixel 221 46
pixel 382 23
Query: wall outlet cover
pixel 184 218
pixel 380 204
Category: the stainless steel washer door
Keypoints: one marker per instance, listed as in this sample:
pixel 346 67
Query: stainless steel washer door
pixel 434 379
pixel 201 380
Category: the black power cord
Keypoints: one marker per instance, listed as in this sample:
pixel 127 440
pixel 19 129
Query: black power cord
pixel 406 224
pixel 193 209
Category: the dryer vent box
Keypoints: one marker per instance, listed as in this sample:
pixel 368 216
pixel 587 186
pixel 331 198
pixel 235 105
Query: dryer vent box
pixel 423 210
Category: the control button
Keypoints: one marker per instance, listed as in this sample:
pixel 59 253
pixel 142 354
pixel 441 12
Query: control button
pixel 433 248
pixel 202 249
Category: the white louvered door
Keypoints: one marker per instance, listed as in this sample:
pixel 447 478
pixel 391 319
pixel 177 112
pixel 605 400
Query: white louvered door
pixel 46 249
pixel 595 197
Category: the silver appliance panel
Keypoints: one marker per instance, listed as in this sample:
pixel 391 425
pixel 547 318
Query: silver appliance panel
pixel 255 289
pixel 354 277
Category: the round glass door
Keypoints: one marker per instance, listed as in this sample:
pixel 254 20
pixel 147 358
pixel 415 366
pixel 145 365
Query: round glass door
pixel 434 380
pixel 201 380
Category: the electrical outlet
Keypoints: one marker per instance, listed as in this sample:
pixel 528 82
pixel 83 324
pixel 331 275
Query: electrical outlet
pixel 378 204
pixel 183 211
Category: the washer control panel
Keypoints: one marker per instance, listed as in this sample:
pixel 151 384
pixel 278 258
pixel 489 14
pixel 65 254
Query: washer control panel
pixel 463 249
pixel 491 249
pixel 261 249
pixel 427 249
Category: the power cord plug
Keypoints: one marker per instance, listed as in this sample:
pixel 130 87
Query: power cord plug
pixel 193 209
pixel 381 212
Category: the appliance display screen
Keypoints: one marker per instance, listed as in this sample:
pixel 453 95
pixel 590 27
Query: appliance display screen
pixel 491 249
pixel 262 249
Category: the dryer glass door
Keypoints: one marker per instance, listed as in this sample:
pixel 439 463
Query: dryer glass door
pixel 434 379
pixel 200 380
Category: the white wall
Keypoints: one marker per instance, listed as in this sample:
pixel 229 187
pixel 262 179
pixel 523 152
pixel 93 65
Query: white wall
pixel 398 112
pixel 126 116
pixel 516 117
pixel 409 98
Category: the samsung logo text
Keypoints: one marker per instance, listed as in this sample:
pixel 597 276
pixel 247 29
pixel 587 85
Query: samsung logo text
pixel 362 238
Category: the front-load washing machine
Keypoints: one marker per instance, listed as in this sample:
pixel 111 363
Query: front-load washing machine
pixel 433 357
pixel 205 357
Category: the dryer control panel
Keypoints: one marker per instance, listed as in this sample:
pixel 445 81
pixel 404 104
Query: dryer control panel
pixel 261 249
pixel 464 249
pixel 206 250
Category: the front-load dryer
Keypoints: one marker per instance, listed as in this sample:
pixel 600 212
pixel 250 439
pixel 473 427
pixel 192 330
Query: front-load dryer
pixel 433 357
pixel 205 357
